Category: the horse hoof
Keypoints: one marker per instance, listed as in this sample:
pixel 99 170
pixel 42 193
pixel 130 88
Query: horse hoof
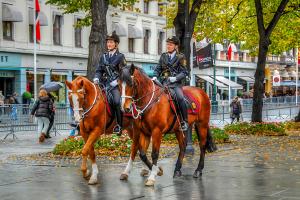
pixel 161 171
pixel 124 177
pixel 93 181
pixel 149 182
pixel 144 173
pixel 87 174
pixel 197 174
pixel 177 174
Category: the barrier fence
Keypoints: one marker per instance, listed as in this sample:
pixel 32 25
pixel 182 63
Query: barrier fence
pixel 15 118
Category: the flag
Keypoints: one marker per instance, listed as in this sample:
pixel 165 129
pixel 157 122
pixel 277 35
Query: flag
pixel 229 51
pixel 203 57
pixel 37 21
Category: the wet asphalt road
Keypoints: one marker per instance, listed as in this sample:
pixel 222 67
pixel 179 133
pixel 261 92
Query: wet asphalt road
pixel 259 170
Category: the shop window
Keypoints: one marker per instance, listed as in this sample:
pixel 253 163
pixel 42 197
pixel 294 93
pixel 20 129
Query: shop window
pixel 57 30
pixel 7 30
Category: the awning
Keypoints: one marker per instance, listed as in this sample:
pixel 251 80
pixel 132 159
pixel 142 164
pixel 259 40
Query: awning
pixel 11 14
pixel 42 16
pixel 211 81
pixel 228 82
pixel 120 29
pixel 247 79
pixel 134 32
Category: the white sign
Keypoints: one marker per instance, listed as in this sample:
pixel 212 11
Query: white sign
pixel 276 80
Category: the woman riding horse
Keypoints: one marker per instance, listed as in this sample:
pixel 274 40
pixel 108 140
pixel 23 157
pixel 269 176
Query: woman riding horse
pixel 156 117
pixel 107 73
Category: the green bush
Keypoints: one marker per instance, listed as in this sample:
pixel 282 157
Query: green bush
pixel 270 129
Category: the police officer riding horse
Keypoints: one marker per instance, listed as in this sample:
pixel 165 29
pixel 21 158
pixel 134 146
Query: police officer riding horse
pixel 107 74
pixel 171 71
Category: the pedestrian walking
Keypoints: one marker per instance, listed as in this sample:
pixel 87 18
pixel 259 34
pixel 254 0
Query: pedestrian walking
pixel 52 116
pixel 13 101
pixel 236 110
pixel 42 110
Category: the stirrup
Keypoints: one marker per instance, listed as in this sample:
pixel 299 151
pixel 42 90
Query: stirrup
pixel 117 130
pixel 184 126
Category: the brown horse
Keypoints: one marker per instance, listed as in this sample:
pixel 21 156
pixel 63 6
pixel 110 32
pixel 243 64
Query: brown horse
pixel 156 118
pixel 90 111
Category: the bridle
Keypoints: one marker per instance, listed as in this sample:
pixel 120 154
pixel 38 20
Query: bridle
pixel 81 108
pixel 134 108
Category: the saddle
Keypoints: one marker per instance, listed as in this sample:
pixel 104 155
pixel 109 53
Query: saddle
pixel 192 104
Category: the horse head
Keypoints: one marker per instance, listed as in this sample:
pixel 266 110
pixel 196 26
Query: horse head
pixel 127 87
pixel 76 95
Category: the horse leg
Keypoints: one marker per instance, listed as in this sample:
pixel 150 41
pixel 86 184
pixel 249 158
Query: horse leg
pixel 202 137
pixel 182 147
pixel 144 144
pixel 93 179
pixel 133 152
pixel 87 149
pixel 85 171
pixel 156 141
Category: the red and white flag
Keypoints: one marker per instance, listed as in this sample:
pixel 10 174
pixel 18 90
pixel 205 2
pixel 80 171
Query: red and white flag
pixel 229 51
pixel 37 21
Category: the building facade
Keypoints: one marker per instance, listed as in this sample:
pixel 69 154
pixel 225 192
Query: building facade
pixel 63 49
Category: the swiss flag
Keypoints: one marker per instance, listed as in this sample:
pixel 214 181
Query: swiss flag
pixel 37 21
pixel 229 51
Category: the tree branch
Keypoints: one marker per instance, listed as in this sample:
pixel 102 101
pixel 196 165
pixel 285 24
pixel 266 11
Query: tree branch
pixel 194 13
pixel 260 18
pixel 237 11
pixel 276 17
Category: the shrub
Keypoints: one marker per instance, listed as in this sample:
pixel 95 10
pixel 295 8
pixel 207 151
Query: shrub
pixel 269 129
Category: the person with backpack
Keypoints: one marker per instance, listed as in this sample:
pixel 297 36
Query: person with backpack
pixel 236 109
pixel 42 110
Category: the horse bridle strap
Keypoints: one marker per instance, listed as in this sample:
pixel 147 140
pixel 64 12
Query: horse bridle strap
pixel 94 102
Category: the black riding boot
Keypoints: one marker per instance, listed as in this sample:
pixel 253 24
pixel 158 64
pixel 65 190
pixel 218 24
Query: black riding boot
pixel 184 115
pixel 118 128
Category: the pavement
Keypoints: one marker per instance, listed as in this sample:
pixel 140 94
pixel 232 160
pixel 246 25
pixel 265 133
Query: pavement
pixel 250 168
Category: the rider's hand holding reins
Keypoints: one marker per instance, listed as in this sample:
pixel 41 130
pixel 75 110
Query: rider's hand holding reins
pixel 172 79
pixel 113 83
pixel 96 81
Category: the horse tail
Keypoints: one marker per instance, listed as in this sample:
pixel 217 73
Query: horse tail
pixel 210 144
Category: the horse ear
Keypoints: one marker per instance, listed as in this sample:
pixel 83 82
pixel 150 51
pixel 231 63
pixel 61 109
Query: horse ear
pixel 81 83
pixel 132 68
pixel 68 84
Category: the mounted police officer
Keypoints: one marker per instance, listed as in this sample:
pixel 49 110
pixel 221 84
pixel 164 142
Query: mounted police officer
pixel 172 71
pixel 107 73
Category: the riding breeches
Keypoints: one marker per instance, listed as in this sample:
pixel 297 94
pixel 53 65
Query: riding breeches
pixel 181 104
pixel 117 105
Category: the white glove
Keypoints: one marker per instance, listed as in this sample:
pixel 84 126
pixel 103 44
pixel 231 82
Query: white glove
pixel 96 80
pixel 113 83
pixel 172 79
pixel 154 78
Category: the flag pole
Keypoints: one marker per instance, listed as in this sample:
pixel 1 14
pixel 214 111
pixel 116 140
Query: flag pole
pixel 297 74
pixel 34 50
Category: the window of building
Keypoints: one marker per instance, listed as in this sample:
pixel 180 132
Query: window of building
pixel 146 41
pixel 78 31
pixel 146 6
pixel 7 30
pixel 31 33
pixel 57 30
pixel 160 42
pixel 131 45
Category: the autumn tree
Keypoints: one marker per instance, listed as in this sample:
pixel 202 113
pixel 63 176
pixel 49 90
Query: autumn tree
pixel 96 11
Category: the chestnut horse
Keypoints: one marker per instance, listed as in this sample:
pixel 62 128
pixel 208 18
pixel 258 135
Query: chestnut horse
pixel 156 117
pixel 90 111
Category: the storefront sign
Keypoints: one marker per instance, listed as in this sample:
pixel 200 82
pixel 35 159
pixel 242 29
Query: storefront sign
pixel 276 80
pixel 10 60
pixel 7 74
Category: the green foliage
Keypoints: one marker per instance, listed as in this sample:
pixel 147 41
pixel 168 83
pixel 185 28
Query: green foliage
pixel 245 128
pixel 106 145
pixel 292 126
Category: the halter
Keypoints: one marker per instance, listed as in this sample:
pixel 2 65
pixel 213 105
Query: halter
pixel 81 109
pixel 140 112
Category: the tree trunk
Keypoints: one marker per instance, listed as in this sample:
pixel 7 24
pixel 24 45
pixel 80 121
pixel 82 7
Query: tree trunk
pixel 297 118
pixel 259 80
pixel 97 36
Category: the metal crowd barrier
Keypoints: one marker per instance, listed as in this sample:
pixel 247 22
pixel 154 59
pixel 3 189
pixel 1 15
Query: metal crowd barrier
pixel 16 117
